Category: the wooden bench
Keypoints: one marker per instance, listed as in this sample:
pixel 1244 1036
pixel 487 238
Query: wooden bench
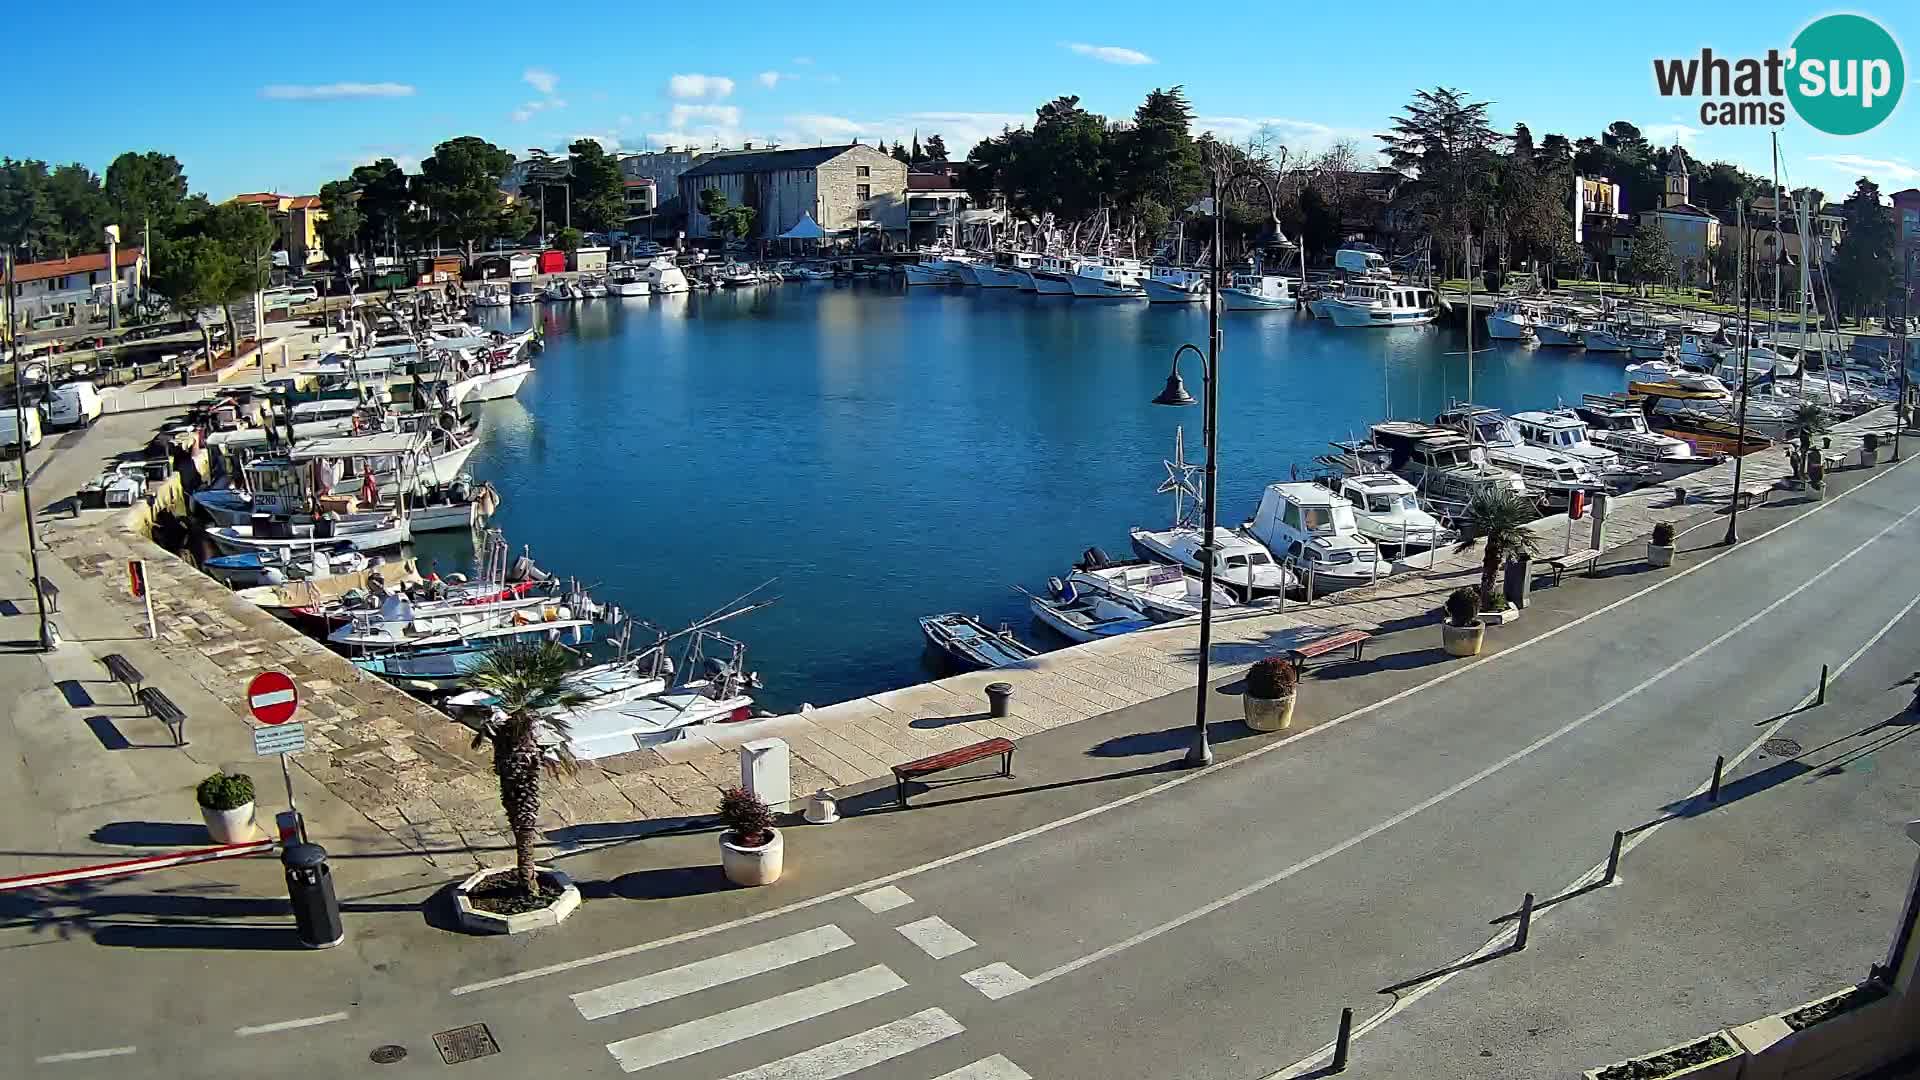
pixel 1753 495
pixel 51 594
pixel 952 759
pixel 1558 565
pixel 1345 639
pixel 122 671
pixel 162 708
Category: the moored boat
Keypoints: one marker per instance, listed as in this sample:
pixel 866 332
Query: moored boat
pixel 969 645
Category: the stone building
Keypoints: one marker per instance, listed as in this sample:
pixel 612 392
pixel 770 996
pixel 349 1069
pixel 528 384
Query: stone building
pixel 851 191
pixel 1692 231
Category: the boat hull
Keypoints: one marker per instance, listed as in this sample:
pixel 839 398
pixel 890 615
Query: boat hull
pixel 630 288
pixel 1502 328
pixel 1318 308
pixel 928 275
pixel 1166 292
pixel 1047 283
pixel 501 384
pixel 1092 288
pixel 1242 300
pixel 997 277
pixel 1355 315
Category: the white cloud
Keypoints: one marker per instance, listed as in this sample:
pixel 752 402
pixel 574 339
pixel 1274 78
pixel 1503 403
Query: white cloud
pixel 540 79
pixel 711 115
pixel 608 140
pixel 1300 137
pixel 336 91
pixel 687 87
pixel 624 121
pixel 820 128
pixel 769 79
pixel 1855 163
pixel 527 112
pixel 1109 54
pixel 1668 134
pixel 959 130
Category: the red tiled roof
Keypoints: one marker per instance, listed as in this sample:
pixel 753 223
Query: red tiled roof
pixel 930 182
pixel 258 197
pixel 79 264
pixel 304 202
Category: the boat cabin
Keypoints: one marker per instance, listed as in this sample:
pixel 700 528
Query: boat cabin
pixel 1314 528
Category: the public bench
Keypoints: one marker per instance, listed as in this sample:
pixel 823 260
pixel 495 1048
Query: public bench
pixel 952 759
pixel 51 594
pixel 1753 495
pixel 161 707
pixel 1345 639
pixel 1558 565
pixel 122 671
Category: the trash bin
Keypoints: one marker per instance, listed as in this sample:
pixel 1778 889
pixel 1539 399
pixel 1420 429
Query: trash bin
pixel 999 699
pixel 316 911
pixel 1518 587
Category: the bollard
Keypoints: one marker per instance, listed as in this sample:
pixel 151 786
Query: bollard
pixel 1309 584
pixel 999 698
pixel 1526 922
pixel 1341 1042
pixel 1822 699
pixel 1613 858
pixel 1713 793
pixel 316 911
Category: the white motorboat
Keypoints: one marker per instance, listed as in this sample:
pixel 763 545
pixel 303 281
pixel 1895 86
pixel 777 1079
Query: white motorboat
pixel 370 533
pixel 1085 618
pixel 1314 530
pixel 1387 511
pixel 1382 304
pixel 628 282
pixel 492 294
pixel 560 292
pixel 1160 590
pixel 252 568
pixel 662 275
pixel 1547 471
pixel 494 384
pixel 1614 424
pixel 1051 276
pixel 1607 338
pixel 592 288
pixel 1240 563
pixel 1108 278
pixel 1561 432
pixel 1443 465
pixel 1007 271
pixel 930 273
pixel 1175 284
pixel 709 691
pixel 1259 292
pixel 1512 320
pixel 602 685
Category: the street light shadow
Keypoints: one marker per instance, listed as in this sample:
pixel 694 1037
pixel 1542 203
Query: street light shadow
pixel 1447 970
pixel 198 936
pixel 1167 741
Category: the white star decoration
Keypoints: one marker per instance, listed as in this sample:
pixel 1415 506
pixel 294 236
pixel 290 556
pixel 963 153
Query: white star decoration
pixel 1179 481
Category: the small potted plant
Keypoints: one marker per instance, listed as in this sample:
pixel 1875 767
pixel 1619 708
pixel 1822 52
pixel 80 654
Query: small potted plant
pixel 1269 695
pixel 750 847
pixel 1463 632
pixel 1660 546
pixel 226 805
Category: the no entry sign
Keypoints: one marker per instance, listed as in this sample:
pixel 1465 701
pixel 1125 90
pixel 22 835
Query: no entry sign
pixel 272 697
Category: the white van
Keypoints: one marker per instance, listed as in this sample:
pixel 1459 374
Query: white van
pixel 10 430
pixel 74 404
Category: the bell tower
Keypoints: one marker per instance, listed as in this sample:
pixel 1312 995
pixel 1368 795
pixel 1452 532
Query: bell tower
pixel 1677 182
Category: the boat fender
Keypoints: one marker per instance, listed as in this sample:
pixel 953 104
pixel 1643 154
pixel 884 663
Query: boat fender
pixel 273 576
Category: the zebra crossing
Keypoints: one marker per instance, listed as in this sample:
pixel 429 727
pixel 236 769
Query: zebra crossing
pixel 801 955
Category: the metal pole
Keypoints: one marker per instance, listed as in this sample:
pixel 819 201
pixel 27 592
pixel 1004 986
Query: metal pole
pixel 20 433
pixel 1746 346
pixel 1201 753
pixel 1900 349
pixel 287 775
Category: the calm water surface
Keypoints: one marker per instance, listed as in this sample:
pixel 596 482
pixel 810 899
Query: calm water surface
pixel 888 454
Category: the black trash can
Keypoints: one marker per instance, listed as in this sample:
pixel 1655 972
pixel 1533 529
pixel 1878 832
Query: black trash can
pixel 316 911
pixel 999 697
pixel 1518 587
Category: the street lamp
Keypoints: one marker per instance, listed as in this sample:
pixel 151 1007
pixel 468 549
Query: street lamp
pixel 1746 351
pixel 1200 752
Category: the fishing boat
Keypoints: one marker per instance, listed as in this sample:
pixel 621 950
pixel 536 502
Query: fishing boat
pixel 438 648
pixel 1084 618
pixel 251 568
pixel 1512 319
pixel 1156 589
pixel 1108 278
pixel 628 282
pixel 1557 327
pixel 1446 468
pixel 1168 284
pixel 276 536
pixel 592 288
pixel 1259 291
pixel 1692 394
pixel 560 292
pixel 1314 530
pixel 1366 303
pixel 1051 276
pixel 492 294
pixel 930 273
pixel 1008 270
pixel 709 690
pixel 969 645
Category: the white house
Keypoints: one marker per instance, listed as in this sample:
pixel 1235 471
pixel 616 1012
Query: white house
pixel 62 286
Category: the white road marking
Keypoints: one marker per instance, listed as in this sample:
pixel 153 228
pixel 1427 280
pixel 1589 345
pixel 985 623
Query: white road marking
pixel 988 1068
pixel 85 1055
pixel 1499 941
pixel 1146 793
pixel 1434 800
pixel 856 1052
pixel 289 1025
pixel 724 1028
pixel 936 937
pixel 996 980
pixel 885 898
pixel 714 971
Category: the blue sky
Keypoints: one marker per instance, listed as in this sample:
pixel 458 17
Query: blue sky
pixel 279 97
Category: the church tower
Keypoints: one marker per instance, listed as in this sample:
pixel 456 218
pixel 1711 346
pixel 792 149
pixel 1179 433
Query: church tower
pixel 1677 182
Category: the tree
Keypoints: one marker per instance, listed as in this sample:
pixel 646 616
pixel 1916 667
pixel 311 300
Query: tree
pixel 193 273
pixel 1650 259
pixel 384 202
pixel 344 226
pixel 567 239
pixel 733 222
pixel 460 184
pixel 1446 140
pixel 899 153
pixel 599 191
pixel 914 156
pixel 531 693
pixel 246 234
pixel 1319 224
pixel 78 209
pixel 1862 273
pixel 936 149
pixel 148 191
pixel 26 213
pixel 1499 517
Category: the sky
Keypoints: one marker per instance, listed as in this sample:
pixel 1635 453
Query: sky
pixel 284 98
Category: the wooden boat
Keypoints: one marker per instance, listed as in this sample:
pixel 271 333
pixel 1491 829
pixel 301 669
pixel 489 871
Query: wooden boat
pixel 971 646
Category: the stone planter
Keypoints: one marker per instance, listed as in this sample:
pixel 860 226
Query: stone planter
pixel 488 922
pixel 752 865
pixel 1659 554
pixel 1463 640
pixel 1725 1063
pixel 233 826
pixel 1847 1042
pixel 1502 617
pixel 1869 458
pixel 1268 714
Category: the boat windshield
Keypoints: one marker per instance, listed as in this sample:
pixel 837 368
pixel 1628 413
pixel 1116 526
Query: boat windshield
pixel 1326 520
pixel 1495 430
pixel 1251 558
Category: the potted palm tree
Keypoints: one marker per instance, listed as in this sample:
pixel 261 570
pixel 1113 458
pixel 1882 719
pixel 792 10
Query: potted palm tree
pixel 1810 418
pixel 1268 698
pixel 226 805
pixel 527 732
pixel 1660 546
pixel 1499 518
pixel 1463 633
pixel 751 851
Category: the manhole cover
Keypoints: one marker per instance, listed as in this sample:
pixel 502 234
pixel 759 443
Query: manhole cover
pixel 466 1043
pixel 387 1055
pixel 1781 748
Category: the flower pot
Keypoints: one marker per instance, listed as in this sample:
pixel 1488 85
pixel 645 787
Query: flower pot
pixel 1505 615
pixel 752 865
pixel 1463 640
pixel 1268 714
pixel 1659 554
pixel 233 826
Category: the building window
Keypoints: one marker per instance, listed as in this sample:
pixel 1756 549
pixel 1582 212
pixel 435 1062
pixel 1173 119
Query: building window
pixel 863 214
pixel 862 170
pixel 863 192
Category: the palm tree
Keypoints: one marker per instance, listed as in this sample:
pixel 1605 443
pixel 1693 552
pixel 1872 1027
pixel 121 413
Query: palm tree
pixel 528 682
pixel 1810 418
pixel 1500 517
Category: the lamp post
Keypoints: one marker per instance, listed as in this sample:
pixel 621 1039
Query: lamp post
pixel 1746 342
pixel 47 634
pixel 1900 348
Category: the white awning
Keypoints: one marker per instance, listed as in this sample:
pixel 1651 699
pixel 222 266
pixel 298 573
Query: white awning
pixel 386 442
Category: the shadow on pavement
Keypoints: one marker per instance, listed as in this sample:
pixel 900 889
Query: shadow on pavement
pixel 880 800
pixel 1400 661
pixel 613 831
pixel 662 883
pixel 174 834
pixel 76 693
pixel 1168 741
pixel 171 936
pixel 1405 984
pixel 927 723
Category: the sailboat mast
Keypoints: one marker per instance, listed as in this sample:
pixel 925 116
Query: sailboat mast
pixel 1777 249
pixel 1469 314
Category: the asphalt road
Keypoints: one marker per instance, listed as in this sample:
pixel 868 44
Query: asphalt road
pixel 1138 923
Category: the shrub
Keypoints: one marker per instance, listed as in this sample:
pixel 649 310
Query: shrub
pixel 225 791
pixel 1272 678
pixel 1463 607
pixel 746 816
pixel 1663 534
